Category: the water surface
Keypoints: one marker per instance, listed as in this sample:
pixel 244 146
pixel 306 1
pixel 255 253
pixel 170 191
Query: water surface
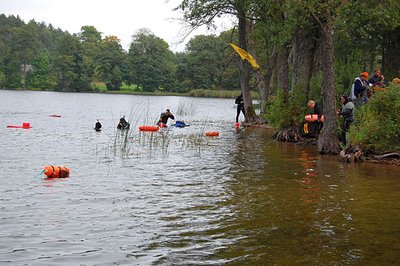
pixel 177 198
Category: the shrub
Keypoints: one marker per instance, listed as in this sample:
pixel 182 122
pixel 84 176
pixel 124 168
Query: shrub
pixel 377 123
pixel 280 114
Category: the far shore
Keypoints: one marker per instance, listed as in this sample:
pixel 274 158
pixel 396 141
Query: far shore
pixel 202 93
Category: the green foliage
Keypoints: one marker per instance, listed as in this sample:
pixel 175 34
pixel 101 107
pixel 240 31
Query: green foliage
pixel 111 63
pixel 315 87
pixel 151 63
pixel 204 61
pixel 377 123
pixel 281 114
pixel 68 65
pixel 39 76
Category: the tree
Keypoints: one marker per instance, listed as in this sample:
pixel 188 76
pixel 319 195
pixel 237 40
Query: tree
pixel 198 13
pixel 68 65
pixel 90 40
pixel 151 63
pixel 204 61
pixel 325 14
pixel 111 62
pixel 39 76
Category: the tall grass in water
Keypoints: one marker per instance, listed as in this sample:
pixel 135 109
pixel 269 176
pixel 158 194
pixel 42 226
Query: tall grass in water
pixel 133 143
pixel 186 108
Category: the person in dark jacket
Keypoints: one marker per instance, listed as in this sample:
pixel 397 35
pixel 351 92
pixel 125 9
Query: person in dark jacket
pixel 347 112
pixel 317 110
pixel 162 122
pixel 360 89
pixel 377 79
pixel 240 107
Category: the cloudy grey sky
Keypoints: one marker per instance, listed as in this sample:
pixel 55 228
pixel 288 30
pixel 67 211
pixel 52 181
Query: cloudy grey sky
pixel 111 17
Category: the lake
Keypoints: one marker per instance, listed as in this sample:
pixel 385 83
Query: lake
pixel 176 197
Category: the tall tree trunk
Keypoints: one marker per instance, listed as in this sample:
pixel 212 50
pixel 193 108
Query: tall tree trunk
pixel 264 82
pixel 304 48
pixel 391 55
pixel 328 142
pixel 250 116
pixel 283 74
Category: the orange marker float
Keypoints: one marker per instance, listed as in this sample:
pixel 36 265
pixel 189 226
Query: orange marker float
pixel 52 171
pixel 212 133
pixel 149 128
pixel 313 118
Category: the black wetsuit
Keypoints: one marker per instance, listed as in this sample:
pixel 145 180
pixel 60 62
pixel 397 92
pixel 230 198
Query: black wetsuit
pixel 164 117
pixel 97 126
pixel 240 107
pixel 123 124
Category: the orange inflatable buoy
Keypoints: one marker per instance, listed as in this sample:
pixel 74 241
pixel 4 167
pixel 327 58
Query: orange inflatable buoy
pixel 313 118
pixel 212 134
pixel 52 171
pixel 149 128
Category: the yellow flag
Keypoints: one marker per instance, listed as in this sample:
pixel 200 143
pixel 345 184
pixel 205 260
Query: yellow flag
pixel 245 55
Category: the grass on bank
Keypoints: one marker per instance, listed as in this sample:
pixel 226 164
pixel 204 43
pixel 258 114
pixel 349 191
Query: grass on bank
pixel 132 89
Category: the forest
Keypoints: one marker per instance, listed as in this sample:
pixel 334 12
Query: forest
pixel 305 50
pixel 37 56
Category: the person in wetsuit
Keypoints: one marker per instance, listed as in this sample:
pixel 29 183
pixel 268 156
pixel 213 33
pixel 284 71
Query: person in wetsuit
pixel 240 107
pixel 97 126
pixel 123 124
pixel 162 122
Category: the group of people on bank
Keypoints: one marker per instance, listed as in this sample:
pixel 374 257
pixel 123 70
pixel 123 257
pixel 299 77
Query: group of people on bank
pixel 361 90
pixel 125 125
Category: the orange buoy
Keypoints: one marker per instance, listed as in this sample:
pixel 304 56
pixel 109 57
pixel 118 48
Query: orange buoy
pixel 212 134
pixel 149 128
pixel 313 118
pixel 52 171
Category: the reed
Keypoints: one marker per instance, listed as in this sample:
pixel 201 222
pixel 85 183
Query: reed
pixel 133 143
pixel 186 108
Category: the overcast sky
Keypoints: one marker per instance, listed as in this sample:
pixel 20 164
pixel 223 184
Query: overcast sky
pixel 111 17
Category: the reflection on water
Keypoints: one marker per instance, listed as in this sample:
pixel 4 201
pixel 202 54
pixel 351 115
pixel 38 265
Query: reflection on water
pixel 177 197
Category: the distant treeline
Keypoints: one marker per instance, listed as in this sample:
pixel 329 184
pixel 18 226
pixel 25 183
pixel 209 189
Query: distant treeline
pixel 38 56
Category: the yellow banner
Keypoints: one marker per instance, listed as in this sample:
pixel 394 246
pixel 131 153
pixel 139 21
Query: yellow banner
pixel 245 56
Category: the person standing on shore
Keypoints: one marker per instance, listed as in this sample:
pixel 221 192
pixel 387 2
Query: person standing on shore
pixel 347 112
pixel 240 107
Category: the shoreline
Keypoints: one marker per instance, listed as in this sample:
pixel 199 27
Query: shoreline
pixel 199 93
